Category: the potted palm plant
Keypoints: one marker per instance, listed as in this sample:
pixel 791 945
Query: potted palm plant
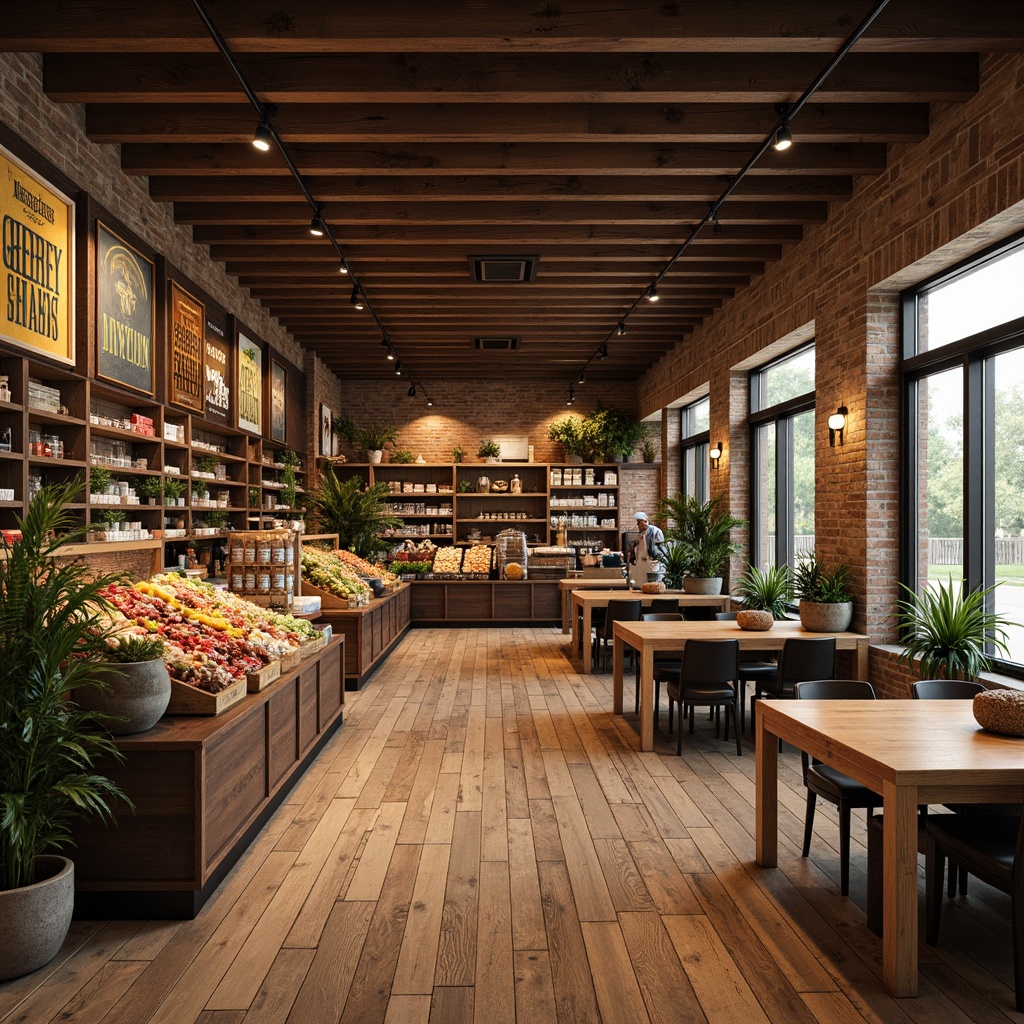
pixel 360 518
pixel 374 439
pixel 52 634
pixel 703 529
pixel 826 601
pixel 673 563
pixel 764 593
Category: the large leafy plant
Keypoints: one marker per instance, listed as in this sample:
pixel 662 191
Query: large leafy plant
pixel 52 641
pixel 373 438
pixel 673 563
pixel 765 589
pixel 813 581
pixel 575 434
pixel 360 518
pixel 949 630
pixel 703 529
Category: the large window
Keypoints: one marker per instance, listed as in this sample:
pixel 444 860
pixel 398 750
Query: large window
pixel 782 466
pixel 694 421
pixel 963 376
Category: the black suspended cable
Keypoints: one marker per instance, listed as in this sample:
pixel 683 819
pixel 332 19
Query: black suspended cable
pixel 786 114
pixel 267 131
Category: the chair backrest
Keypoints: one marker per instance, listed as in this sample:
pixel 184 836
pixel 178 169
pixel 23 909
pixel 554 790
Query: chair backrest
pixel 804 658
pixel 661 617
pixel 834 689
pixel 945 689
pixel 622 611
pixel 710 661
pixel 725 617
pixel 665 604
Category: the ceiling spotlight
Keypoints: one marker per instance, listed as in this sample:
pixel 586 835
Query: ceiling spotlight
pixel 391 354
pixel 343 269
pixel 582 378
pixel 604 350
pixel 652 292
pixel 783 139
pixel 316 223
pixel 261 137
pixel 430 401
pixel 356 299
pixel 572 396
pixel 621 329
pixel 398 368
pixel 412 391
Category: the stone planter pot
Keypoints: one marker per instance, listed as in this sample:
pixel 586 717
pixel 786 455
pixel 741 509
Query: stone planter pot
pixel 700 585
pixel 374 457
pixel 139 692
pixel 36 918
pixel 826 618
pixel 755 620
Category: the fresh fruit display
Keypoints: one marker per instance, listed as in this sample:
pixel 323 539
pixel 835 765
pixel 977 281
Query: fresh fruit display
pixel 368 570
pixel 477 559
pixel 328 572
pixel 448 560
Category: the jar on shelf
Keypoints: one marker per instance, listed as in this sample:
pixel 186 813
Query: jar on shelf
pixel 263 551
pixel 516 486
pixel 5 391
pixel 279 553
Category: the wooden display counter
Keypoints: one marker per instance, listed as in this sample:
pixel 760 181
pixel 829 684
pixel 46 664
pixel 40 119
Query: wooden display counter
pixel 370 631
pixel 473 602
pixel 203 788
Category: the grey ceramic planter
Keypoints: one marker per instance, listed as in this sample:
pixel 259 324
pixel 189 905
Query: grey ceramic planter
pixel 139 692
pixel 826 618
pixel 36 918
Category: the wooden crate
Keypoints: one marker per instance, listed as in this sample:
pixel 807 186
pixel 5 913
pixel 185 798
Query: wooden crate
pixel 328 601
pixel 188 700
pixel 290 661
pixel 311 647
pixel 264 677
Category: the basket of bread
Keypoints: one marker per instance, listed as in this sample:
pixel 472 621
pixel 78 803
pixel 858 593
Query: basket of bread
pixel 652 588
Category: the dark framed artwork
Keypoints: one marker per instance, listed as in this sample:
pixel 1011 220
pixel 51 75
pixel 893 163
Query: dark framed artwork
pixel 216 374
pixel 125 313
pixel 185 384
pixel 326 419
pixel 250 385
pixel 278 390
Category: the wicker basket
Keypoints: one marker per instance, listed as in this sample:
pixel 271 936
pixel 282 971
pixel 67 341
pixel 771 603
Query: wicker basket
pixel 1000 711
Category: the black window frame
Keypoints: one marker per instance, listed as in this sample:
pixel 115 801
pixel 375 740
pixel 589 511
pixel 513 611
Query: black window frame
pixel 691 444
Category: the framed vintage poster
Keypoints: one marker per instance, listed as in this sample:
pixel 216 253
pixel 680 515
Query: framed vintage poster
pixel 125 313
pixel 188 329
pixel 250 385
pixel 278 421
pixel 38 311
pixel 217 394
pixel 326 420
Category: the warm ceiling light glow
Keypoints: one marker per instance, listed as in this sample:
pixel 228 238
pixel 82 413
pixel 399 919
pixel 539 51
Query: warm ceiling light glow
pixel 783 139
pixel 652 292
pixel 261 137
pixel 398 368
pixel 621 328
pixel 356 300
pixel 316 227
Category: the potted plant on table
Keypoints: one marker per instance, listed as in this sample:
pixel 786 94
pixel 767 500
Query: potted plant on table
pixel 52 633
pixel 703 529
pixel 489 451
pixel 374 439
pixel 764 593
pixel 826 601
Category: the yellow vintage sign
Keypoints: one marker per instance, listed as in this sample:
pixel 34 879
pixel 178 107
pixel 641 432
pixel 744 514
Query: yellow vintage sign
pixel 38 254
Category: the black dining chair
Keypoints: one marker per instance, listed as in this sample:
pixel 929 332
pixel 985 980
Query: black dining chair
pixel 617 611
pixel 989 846
pixel 754 665
pixel 824 781
pixel 659 659
pixel 663 605
pixel 707 677
pixel 801 659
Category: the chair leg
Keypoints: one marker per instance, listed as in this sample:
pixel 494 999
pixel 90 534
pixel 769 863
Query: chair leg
pixel 637 711
pixel 1018 954
pixel 951 881
pixel 679 735
pixel 844 849
pixel 739 730
pixel 963 881
pixel 935 867
pixel 691 709
pixel 809 822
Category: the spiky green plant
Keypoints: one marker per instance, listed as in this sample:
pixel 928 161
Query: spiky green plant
pixel 949 630
pixel 813 581
pixel 131 649
pixel 673 560
pixel 359 517
pixel 703 529
pixel 52 633
pixel 764 589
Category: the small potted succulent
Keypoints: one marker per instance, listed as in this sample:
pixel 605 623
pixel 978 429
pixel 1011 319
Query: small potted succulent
pixel 764 593
pixel 402 457
pixel 826 600
pixel 489 451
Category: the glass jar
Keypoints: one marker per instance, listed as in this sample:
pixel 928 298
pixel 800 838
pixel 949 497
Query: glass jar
pixel 5 391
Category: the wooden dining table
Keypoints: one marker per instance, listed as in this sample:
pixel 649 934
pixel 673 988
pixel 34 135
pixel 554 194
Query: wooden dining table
pixel 568 585
pixel 585 601
pixel 649 638
pixel 911 752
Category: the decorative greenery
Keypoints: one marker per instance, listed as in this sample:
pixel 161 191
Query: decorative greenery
pixel 457 454
pixel 255 496
pixel 674 562
pixel 375 438
pixel 173 488
pixel 99 479
pixel 949 630
pixel 205 464
pixel 289 482
pixel 217 520
pixel 703 529
pixel 813 582
pixel 360 518
pixel 465 486
pixel 51 635
pixel 150 487
pixel 123 650
pixel 647 450
pixel 765 590
pixel 574 434
pixel 615 434
pixel 488 449
pixel 416 567
pixel 199 489
pixel 110 515
pixel 403 456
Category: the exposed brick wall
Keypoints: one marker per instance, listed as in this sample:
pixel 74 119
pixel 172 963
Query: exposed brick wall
pixel 937 202
pixel 639 491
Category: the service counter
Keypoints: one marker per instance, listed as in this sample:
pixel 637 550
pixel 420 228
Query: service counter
pixel 485 602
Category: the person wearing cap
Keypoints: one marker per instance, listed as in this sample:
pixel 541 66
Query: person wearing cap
pixel 646 551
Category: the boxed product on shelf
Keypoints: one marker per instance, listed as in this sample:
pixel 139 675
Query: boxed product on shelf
pixel 43 398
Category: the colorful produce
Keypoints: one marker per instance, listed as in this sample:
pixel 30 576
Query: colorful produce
pixel 368 570
pixel 448 560
pixel 415 566
pixel 328 572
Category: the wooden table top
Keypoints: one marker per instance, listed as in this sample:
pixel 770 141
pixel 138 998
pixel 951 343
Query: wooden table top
pixel 662 634
pixel 594 597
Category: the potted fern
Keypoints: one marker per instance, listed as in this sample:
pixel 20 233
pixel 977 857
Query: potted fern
pixel 52 636
pixel 826 601
pixel 703 529
pixel 360 518
pixel 489 451
pixel 374 439
pixel 764 593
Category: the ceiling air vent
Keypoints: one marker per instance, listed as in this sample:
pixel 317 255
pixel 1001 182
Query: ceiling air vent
pixel 496 344
pixel 502 269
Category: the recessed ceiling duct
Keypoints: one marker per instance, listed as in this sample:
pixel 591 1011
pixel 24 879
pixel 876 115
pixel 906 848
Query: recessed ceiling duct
pixel 496 344
pixel 502 269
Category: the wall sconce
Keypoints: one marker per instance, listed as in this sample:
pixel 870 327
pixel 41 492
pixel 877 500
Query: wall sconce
pixel 715 453
pixel 837 426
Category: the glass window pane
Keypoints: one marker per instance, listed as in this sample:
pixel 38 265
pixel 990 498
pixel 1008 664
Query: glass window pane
pixel 972 302
pixel 765 511
pixel 1008 470
pixel 787 379
pixel 803 485
pixel 940 476
pixel 696 417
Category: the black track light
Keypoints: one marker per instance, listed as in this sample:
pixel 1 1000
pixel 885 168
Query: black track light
pixel 604 349
pixel 652 292
pixel 412 391
pixel 582 378
pixel 572 396
pixel 430 401
pixel 316 223
pixel 621 329
pixel 261 137
pixel 343 269
pixel 391 354
pixel 356 299
pixel 398 368
pixel 783 137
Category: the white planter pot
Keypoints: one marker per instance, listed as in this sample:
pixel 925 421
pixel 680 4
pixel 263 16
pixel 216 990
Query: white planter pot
pixel 36 918
pixel 374 457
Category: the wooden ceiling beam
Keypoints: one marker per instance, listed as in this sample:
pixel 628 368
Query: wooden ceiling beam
pixel 392 277
pixel 475 293
pixel 507 123
pixel 631 78
pixel 170 157
pixel 409 26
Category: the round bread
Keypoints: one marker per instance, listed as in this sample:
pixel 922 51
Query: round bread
pixel 1000 711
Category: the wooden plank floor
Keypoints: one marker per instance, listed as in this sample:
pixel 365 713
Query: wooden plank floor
pixel 482 841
